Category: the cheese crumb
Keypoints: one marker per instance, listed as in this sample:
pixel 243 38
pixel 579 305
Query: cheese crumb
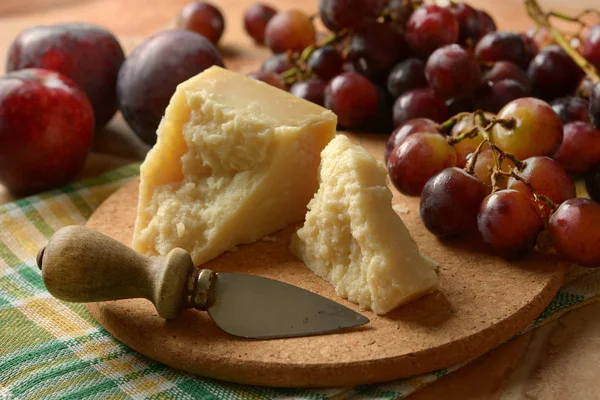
pixel 180 229
pixel 400 209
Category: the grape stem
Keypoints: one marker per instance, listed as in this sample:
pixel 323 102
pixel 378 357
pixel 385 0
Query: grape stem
pixel 536 13
pixel 300 71
pixel 470 167
pixel 536 196
pixel 447 125
pixel 484 126
pixel 518 163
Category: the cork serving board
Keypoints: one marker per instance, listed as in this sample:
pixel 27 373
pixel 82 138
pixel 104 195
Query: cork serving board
pixel 484 300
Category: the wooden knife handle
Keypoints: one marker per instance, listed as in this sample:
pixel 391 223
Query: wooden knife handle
pixel 82 265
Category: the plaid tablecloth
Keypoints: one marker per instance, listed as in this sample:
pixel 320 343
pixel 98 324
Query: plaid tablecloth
pixel 50 349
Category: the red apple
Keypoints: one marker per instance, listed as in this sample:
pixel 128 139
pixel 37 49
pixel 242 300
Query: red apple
pixel 46 130
pixel 86 53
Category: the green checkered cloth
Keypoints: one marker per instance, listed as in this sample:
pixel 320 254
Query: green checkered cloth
pixel 50 349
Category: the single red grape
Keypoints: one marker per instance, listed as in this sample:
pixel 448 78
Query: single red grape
pixel 326 62
pixel 203 18
pixel 256 18
pixel 277 63
pixel 419 103
pixel 492 96
pixel 506 70
pixel 353 98
pixel 548 178
pixel 571 108
pixel 574 231
pixel 450 201
pixel 311 90
pixel 406 75
pixel 419 125
pixel 487 23
pixel 429 28
pixel 591 45
pixel 537 131
pixel 452 72
pixel 417 159
pixel 351 14
pixel 530 45
pixel 553 73
pixel 289 30
pixel 580 147
pixel 503 46
pixel 469 22
pixel 509 222
pixel 375 48
pixel 268 77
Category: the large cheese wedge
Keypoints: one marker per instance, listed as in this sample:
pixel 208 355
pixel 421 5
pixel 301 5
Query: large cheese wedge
pixel 235 159
pixel 355 240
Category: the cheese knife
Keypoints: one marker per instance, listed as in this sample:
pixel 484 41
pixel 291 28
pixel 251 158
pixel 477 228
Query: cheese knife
pixel 82 265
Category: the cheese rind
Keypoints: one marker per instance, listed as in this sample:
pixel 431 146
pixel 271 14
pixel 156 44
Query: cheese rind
pixel 235 159
pixel 354 239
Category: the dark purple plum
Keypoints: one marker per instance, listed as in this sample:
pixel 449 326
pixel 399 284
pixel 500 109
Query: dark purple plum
pixel 148 78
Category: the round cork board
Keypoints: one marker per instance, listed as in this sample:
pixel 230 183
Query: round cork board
pixel 483 301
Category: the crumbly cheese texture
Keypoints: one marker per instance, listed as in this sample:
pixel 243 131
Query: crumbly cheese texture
pixel 235 159
pixel 354 239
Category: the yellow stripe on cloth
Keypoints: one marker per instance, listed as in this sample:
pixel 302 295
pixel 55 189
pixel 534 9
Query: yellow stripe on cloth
pixel 22 239
pixel 56 318
pixel 59 212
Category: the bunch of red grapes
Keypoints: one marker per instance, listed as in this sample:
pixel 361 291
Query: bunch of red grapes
pixel 489 127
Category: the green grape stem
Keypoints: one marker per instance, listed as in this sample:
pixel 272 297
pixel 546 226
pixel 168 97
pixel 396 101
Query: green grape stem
pixel 536 13
pixel 300 71
pixel 447 125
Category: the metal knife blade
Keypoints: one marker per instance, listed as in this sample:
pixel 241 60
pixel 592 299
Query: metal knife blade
pixel 82 265
pixel 255 307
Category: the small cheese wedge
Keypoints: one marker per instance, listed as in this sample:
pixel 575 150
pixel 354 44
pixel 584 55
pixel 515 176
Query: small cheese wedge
pixel 235 159
pixel 354 239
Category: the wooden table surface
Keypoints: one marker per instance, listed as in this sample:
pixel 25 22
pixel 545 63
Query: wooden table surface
pixel 558 361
